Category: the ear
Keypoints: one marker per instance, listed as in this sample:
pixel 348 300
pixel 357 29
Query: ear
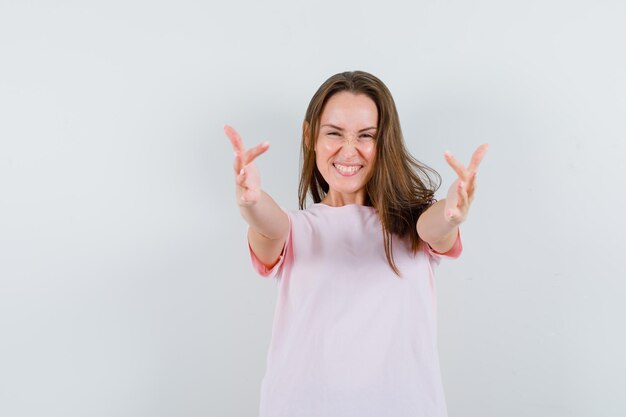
pixel 305 133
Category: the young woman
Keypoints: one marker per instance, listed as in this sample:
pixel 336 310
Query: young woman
pixel 354 330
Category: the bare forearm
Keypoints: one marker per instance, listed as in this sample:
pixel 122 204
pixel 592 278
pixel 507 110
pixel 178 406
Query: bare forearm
pixel 266 218
pixel 268 229
pixel 433 228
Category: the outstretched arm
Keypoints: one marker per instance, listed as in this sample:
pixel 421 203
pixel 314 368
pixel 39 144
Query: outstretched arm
pixel 439 224
pixel 268 223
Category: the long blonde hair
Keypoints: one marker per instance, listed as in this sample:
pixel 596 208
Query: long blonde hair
pixel 400 188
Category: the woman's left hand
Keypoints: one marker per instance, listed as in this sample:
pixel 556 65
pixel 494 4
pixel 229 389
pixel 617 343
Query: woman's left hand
pixel 461 192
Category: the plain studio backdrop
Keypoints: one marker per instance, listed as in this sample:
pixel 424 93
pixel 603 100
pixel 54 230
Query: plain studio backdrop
pixel 126 288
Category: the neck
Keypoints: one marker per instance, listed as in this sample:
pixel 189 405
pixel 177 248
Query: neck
pixel 336 199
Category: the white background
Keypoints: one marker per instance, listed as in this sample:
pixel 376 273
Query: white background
pixel 125 283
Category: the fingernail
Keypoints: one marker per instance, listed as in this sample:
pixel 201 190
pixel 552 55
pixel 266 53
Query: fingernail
pixel 241 172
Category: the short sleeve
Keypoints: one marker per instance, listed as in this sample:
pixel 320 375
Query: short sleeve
pixel 261 268
pixel 453 253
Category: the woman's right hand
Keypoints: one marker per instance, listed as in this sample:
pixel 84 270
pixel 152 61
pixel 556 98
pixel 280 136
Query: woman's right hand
pixel 248 183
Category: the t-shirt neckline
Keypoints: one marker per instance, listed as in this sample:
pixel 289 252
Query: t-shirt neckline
pixel 344 206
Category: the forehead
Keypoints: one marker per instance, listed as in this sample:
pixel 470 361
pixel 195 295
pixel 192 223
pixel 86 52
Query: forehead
pixel 349 109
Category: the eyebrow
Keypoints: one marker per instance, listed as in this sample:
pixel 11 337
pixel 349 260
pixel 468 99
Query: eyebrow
pixel 338 128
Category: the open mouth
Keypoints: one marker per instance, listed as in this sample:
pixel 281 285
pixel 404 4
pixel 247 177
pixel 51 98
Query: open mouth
pixel 347 170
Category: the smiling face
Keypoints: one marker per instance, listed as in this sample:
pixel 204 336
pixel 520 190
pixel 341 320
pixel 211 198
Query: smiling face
pixel 345 149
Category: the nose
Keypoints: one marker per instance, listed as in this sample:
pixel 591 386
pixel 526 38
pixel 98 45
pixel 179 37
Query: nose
pixel 351 139
pixel 350 144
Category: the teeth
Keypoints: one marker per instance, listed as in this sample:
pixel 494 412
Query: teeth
pixel 347 170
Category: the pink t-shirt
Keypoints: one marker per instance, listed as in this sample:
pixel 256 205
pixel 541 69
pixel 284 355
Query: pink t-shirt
pixel 350 338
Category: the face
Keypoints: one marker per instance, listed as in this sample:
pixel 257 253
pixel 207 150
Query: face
pixel 345 150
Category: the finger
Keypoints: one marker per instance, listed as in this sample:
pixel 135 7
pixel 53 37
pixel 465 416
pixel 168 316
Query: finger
pixel 248 179
pixel 237 164
pixel 477 157
pixel 250 195
pixel 241 178
pixel 235 139
pixel 471 187
pixel 462 205
pixel 450 214
pixel 454 215
pixel 462 198
pixel 251 154
pixel 456 165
